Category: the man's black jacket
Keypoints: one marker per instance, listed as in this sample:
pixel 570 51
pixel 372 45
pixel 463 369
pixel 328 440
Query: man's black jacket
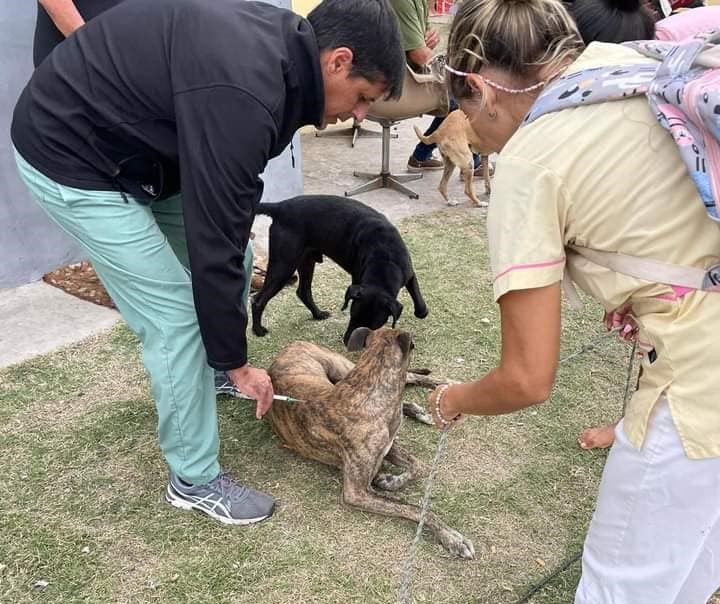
pixel 153 93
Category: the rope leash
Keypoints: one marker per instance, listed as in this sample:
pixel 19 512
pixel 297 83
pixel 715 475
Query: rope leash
pixel 408 568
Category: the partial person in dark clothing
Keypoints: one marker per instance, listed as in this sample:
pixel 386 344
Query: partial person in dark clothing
pixel 57 19
pixel 613 21
pixel 151 94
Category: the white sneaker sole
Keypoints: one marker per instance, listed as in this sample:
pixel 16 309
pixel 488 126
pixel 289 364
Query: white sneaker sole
pixel 416 170
pixel 184 504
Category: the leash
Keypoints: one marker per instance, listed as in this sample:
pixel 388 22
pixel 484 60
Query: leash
pixel 406 585
pixel 408 569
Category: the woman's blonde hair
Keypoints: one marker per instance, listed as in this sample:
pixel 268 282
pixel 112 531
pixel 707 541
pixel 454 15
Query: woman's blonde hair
pixel 518 36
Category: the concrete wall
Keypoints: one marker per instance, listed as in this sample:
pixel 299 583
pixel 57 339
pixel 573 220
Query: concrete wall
pixel 303 7
pixel 30 244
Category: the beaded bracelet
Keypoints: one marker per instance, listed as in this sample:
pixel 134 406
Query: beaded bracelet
pixel 441 392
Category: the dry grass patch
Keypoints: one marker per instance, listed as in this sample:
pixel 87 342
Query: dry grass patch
pixel 88 474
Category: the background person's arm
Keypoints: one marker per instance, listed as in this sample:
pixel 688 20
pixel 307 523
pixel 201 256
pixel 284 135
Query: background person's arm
pixel 413 32
pixel 419 56
pixel 64 15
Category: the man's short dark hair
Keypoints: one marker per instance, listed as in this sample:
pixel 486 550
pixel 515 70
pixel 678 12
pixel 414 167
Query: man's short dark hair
pixel 369 29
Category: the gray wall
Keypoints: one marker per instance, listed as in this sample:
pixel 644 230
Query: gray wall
pixel 30 244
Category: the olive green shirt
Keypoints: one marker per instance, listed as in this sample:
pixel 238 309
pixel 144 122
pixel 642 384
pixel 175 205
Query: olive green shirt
pixel 412 16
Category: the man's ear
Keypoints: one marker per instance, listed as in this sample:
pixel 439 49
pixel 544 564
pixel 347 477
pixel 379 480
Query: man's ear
pixel 338 60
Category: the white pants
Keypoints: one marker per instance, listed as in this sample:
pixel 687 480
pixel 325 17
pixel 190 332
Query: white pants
pixel 655 534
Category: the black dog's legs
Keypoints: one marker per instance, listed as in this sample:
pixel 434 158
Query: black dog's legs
pixel 281 266
pixel 306 270
pixel 274 282
pixel 413 288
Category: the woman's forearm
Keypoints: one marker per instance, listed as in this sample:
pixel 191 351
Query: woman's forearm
pixel 530 326
pixel 494 394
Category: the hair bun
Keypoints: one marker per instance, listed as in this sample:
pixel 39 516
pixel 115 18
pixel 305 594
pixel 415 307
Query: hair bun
pixel 626 6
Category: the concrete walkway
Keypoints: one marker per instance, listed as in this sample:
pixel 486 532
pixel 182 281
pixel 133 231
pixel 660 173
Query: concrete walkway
pixel 38 318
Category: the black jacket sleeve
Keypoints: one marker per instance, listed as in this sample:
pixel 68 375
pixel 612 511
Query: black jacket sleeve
pixel 224 141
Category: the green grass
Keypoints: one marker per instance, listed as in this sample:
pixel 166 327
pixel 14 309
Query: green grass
pixel 83 478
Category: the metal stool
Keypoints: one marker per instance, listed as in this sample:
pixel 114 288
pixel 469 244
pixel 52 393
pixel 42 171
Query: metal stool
pixel 385 179
pixel 354 132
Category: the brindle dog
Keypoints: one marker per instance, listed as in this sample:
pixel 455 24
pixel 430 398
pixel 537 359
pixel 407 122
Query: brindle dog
pixel 351 416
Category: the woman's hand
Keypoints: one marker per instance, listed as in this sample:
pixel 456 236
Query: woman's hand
pixel 623 320
pixel 443 413
pixel 256 384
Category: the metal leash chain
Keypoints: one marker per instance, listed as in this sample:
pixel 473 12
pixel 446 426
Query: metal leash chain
pixel 406 584
pixel 424 507
pixel 629 375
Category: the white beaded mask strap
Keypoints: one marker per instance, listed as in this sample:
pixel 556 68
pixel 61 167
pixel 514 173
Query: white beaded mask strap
pixel 496 85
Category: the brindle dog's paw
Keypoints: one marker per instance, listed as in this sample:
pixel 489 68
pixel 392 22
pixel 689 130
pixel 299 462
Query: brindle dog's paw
pixel 424 418
pixel 389 482
pixel 321 316
pixel 456 544
pixel 420 370
pixel 417 413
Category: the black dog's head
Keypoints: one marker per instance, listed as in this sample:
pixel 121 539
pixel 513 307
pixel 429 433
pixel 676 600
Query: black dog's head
pixel 369 307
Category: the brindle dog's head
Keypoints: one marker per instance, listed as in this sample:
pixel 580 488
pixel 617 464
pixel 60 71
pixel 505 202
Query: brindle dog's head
pixel 369 307
pixel 392 347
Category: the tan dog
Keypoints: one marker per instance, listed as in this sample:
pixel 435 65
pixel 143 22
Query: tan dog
pixel 457 141
pixel 350 417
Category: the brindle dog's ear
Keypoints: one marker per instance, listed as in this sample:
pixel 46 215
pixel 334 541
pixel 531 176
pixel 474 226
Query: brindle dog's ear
pixel 357 338
pixel 352 293
pixel 405 340
pixel 395 309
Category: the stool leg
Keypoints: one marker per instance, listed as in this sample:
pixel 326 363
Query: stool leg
pixel 376 183
pixel 394 183
pixel 406 177
pixel 385 179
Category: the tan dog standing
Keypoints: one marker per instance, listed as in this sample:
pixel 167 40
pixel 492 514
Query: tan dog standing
pixel 350 417
pixel 457 141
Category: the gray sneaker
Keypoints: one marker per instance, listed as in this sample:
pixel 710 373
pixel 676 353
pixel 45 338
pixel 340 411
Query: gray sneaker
pixel 222 498
pixel 223 385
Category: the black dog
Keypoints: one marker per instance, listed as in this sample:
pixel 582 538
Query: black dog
pixel 361 240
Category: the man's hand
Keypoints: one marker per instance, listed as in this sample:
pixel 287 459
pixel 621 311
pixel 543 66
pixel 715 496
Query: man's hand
pixel 432 38
pixel 254 383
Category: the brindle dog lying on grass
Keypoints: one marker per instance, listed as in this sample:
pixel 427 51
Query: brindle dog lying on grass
pixel 351 416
